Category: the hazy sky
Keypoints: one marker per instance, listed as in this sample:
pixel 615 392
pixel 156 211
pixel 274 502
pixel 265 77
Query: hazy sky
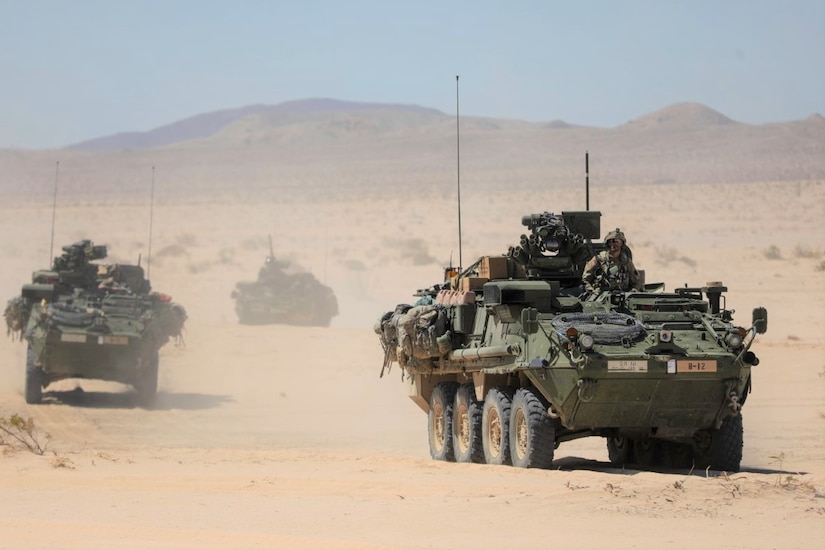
pixel 72 70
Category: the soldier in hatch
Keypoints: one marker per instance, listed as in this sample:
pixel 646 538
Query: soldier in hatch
pixel 612 269
pixel 113 278
pixel 272 271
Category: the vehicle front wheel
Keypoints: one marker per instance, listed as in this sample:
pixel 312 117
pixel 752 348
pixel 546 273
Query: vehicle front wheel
pixel 495 426
pixel 34 380
pixel 727 445
pixel 146 383
pixel 721 449
pixel 440 421
pixel 532 435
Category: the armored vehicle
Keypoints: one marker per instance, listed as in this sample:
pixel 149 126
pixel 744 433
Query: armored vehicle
pixel 510 358
pixel 284 295
pixel 82 319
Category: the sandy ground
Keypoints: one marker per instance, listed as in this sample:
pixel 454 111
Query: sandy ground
pixel 279 436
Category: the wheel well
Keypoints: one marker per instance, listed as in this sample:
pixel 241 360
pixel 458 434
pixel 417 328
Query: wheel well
pixel 420 387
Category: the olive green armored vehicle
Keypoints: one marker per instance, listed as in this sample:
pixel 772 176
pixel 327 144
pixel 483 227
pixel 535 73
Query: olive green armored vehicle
pixel 511 358
pixel 82 319
pixel 285 295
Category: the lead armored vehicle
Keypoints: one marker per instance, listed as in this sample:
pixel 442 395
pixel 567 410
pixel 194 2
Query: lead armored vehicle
pixel 82 319
pixel 510 358
pixel 283 294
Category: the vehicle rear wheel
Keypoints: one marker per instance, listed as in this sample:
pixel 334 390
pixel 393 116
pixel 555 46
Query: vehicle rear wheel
pixel 620 450
pixel 146 383
pixel 532 435
pixel 467 426
pixel 440 421
pixel 495 426
pixel 34 380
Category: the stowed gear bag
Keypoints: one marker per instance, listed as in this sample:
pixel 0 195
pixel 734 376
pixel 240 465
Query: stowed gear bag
pixel 413 336
pixel 14 317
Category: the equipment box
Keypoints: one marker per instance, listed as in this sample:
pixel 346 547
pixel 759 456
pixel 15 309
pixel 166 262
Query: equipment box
pixel 472 283
pixel 493 267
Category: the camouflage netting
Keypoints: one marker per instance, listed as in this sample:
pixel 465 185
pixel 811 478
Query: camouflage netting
pixel 172 320
pixel 14 317
pixel 605 327
pixel 414 335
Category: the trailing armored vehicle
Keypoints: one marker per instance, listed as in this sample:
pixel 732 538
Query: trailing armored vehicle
pixel 284 295
pixel 89 320
pixel 510 358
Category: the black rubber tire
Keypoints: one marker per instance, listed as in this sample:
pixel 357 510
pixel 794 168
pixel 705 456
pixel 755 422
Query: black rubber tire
pixel 467 425
pixel 34 380
pixel 676 455
pixel 620 450
pixel 532 435
pixel 495 426
pixel 647 452
pixel 720 449
pixel 440 421
pixel 146 383
pixel 728 441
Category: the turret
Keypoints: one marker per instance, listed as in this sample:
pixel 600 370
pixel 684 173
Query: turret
pixel 557 246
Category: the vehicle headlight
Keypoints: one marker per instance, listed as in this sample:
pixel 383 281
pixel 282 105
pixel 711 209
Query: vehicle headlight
pixel 734 340
pixel 586 341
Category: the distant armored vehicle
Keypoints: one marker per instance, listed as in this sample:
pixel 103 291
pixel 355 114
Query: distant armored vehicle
pixel 88 320
pixel 283 295
pixel 510 358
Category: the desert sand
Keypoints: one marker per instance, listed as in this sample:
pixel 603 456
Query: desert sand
pixel 280 436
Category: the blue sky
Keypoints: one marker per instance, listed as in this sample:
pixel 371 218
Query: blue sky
pixel 72 70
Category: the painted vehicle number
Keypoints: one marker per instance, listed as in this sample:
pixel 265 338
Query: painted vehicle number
pixel 117 340
pixel 79 338
pixel 627 366
pixel 696 365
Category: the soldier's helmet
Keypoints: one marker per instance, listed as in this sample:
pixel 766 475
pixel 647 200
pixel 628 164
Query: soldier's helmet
pixel 615 234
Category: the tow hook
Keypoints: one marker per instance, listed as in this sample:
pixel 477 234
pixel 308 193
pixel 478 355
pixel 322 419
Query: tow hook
pixel 734 402
pixel 586 389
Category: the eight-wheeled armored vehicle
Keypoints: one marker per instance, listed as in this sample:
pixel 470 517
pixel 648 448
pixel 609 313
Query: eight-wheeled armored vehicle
pixel 82 319
pixel 510 358
pixel 284 295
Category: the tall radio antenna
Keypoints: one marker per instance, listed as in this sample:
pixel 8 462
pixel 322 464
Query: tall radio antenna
pixel 587 180
pixel 458 171
pixel 151 211
pixel 54 208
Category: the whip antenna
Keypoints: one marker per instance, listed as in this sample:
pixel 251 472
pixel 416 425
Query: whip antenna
pixel 151 208
pixel 587 180
pixel 54 209
pixel 458 171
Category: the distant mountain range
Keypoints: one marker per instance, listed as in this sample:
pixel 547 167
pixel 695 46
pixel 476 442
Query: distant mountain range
pixel 678 118
pixel 297 149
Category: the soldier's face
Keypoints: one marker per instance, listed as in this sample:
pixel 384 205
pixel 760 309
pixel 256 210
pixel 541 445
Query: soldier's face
pixel 614 247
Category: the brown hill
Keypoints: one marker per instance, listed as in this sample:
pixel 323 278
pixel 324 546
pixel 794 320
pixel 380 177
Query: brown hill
pixel 207 124
pixel 680 117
